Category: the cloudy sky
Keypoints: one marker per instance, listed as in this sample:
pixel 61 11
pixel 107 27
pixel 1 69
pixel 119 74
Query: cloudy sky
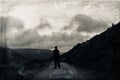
pixel 45 23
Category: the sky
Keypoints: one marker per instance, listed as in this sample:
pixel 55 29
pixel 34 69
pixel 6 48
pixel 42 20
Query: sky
pixel 43 24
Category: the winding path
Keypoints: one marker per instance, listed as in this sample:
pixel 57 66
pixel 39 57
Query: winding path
pixel 66 72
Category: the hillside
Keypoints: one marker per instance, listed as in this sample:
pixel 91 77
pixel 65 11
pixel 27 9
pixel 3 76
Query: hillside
pixel 19 56
pixel 100 54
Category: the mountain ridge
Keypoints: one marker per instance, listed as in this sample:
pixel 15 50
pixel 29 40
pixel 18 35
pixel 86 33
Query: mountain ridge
pixel 101 53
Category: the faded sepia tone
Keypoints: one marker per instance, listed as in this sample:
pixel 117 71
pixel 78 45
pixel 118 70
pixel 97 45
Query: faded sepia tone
pixel 44 23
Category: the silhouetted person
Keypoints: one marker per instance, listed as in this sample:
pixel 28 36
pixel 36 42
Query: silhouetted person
pixel 56 58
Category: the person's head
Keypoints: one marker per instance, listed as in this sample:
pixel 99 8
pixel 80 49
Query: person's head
pixel 55 47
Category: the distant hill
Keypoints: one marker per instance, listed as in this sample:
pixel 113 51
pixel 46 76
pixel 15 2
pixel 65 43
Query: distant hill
pixel 100 54
pixel 22 58
pixel 19 56
pixel 30 54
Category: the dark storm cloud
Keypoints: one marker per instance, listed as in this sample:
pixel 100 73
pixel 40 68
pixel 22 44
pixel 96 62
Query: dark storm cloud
pixel 31 39
pixel 24 38
pixel 8 25
pixel 10 22
pixel 62 40
pixel 85 23
pixel 14 23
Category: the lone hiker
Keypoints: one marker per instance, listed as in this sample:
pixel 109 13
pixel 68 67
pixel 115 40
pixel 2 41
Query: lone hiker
pixel 56 58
